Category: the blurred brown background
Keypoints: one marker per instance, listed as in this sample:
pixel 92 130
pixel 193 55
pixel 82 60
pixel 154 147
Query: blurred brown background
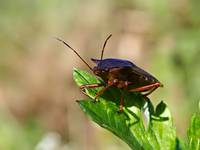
pixel 37 92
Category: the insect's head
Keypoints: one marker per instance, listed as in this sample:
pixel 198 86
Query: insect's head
pixel 99 69
pixel 99 72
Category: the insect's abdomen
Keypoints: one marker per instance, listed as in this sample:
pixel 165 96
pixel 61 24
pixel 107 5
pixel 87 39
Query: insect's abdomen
pixel 128 74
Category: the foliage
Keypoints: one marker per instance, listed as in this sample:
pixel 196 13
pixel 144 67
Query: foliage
pixel 14 136
pixel 139 125
pixel 194 133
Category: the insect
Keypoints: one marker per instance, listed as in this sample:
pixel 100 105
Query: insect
pixel 119 73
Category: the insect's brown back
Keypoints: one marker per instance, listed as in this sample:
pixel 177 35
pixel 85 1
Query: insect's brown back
pixel 136 76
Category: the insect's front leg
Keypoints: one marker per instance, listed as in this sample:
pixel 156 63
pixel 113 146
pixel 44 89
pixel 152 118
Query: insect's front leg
pixel 93 85
pixel 101 92
pixel 110 83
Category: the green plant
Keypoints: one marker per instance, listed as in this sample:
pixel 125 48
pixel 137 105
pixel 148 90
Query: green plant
pixel 139 125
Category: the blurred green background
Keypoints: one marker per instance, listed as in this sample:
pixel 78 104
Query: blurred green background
pixel 37 93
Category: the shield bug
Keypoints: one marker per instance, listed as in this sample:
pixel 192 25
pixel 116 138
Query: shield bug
pixel 119 73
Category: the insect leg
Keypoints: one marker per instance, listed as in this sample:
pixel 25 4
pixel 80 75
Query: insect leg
pixel 93 85
pixel 121 102
pixel 153 89
pixel 122 97
pixel 144 88
pixel 106 88
pixel 102 91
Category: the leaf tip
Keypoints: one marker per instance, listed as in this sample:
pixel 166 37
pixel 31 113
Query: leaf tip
pixel 78 101
pixel 74 68
pixel 81 102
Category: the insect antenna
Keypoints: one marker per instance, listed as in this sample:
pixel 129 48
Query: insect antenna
pixel 104 45
pixel 74 52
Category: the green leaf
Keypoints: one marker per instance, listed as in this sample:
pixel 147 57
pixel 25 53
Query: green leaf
pixel 194 133
pixel 139 125
pixel 161 128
